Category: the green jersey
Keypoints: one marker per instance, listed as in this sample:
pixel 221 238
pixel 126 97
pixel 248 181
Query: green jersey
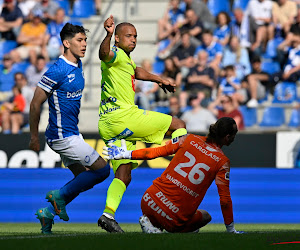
pixel 117 84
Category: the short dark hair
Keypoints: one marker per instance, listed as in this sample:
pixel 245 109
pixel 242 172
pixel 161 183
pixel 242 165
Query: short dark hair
pixel 256 59
pixel 70 30
pixel 121 25
pixel 20 73
pixel 229 67
pixel 40 57
pixel 223 126
pixel 226 15
pixel 207 31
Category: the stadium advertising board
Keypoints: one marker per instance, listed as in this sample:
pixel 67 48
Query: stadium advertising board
pixel 248 150
pixel 288 149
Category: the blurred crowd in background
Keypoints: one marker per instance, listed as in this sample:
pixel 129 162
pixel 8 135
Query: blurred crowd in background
pixel 227 58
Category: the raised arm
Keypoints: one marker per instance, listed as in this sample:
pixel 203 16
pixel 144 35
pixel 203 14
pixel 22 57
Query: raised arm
pixel 39 98
pixel 141 74
pixel 105 53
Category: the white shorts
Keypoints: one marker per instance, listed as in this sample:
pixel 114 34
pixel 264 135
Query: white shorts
pixel 73 150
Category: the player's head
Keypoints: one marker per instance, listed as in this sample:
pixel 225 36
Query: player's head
pixel 223 131
pixel 125 37
pixel 74 39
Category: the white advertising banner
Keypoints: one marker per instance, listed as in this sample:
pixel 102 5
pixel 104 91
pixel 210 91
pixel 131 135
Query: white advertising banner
pixel 287 149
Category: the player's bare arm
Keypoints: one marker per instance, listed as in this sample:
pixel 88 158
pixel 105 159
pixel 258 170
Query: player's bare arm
pixel 165 84
pixel 39 97
pixel 105 53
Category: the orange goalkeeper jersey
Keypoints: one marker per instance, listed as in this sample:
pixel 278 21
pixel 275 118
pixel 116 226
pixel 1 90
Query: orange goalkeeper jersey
pixel 184 183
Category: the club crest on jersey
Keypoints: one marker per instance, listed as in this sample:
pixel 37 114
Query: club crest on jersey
pixel 227 176
pixel 71 77
pixel 87 159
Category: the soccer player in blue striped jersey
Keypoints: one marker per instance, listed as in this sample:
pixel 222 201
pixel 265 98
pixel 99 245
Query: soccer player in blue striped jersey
pixel 62 85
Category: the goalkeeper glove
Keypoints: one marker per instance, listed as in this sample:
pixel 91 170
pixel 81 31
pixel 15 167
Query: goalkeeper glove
pixel 230 229
pixel 116 153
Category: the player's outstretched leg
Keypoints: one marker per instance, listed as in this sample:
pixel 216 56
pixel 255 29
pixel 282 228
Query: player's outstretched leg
pixel 108 223
pixel 147 226
pixel 46 219
pixel 82 182
pixel 58 203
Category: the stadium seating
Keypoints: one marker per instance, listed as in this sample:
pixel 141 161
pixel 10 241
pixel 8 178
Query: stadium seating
pixel 295 118
pixel 83 8
pixel 242 4
pixel 22 66
pixel 249 115
pixel 158 66
pixel 65 4
pixel 161 109
pixel 285 92
pixel 270 67
pixel 271 49
pixel 273 117
pixel 6 46
pixel 216 6
pixel 75 21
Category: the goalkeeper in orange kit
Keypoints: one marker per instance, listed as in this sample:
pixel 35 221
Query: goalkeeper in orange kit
pixel 172 201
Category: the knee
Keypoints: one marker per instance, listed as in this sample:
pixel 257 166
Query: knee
pixel 206 217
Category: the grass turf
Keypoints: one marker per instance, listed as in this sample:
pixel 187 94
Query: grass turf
pixel 89 236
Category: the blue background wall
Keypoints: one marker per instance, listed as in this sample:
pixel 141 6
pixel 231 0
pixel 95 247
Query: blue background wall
pixel 261 195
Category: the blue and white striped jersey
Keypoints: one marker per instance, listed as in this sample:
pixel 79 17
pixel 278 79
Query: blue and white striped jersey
pixel 64 81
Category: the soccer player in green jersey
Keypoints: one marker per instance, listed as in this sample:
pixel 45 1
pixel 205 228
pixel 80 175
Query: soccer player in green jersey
pixel 120 118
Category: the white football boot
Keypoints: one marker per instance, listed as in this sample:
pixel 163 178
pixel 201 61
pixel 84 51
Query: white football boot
pixel 147 226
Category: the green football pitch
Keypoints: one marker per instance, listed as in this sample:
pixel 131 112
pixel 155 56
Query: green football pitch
pixel 89 236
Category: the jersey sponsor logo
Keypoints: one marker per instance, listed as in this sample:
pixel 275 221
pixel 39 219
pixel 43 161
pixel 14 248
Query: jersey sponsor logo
pixel 74 94
pixel 227 176
pixel 71 77
pixel 126 133
pixel 166 202
pixel 205 151
pixel 182 186
pixel 211 149
pixel 109 99
pixel 103 86
pixel 109 110
pixel 150 202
